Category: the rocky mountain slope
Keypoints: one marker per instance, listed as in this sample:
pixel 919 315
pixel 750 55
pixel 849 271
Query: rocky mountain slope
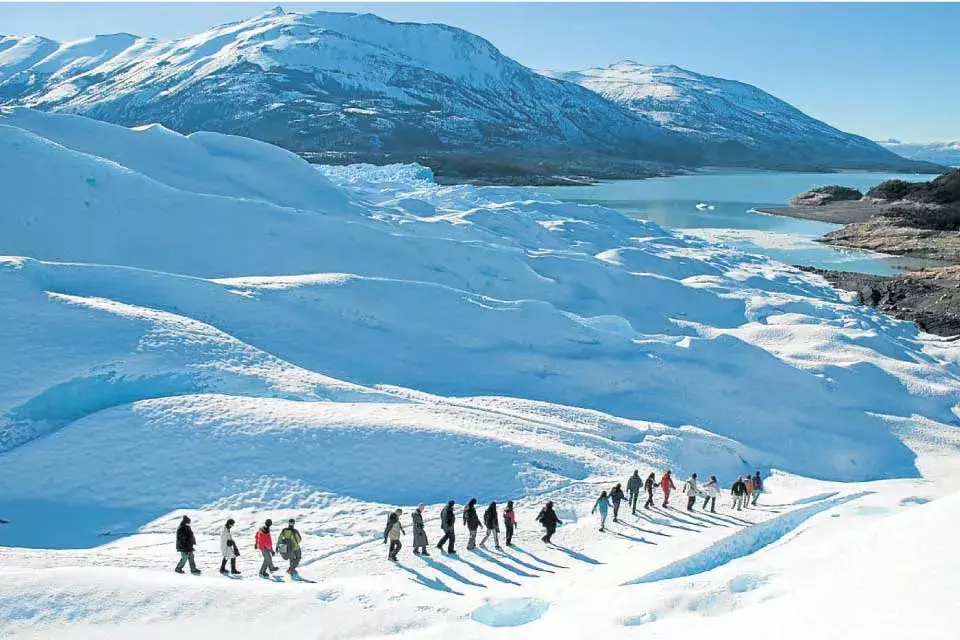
pixel 741 124
pixel 342 87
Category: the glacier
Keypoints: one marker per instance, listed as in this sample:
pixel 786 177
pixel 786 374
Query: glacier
pixel 207 324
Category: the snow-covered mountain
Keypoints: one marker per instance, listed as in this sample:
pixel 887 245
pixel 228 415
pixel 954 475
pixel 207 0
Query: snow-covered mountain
pixel 358 87
pixel 945 153
pixel 332 82
pixel 744 124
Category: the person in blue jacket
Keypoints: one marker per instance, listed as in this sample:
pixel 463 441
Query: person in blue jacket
pixel 603 505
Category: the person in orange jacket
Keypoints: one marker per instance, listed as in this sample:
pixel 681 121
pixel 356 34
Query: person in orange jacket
pixel 666 484
pixel 264 544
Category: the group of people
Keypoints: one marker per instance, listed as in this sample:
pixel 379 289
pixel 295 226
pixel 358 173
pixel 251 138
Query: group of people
pixel 288 546
pixel 746 491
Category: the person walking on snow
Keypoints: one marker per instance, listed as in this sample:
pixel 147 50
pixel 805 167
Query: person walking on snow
pixel 263 542
pixel 548 518
pixel 690 489
pixel 747 491
pixel 603 504
pixel 228 549
pixel 288 546
pixel 419 532
pixel 448 521
pixel 737 490
pixel 633 490
pixel 186 543
pixel 509 521
pixel 757 487
pixel 393 532
pixel 492 523
pixel 712 491
pixel 666 484
pixel 616 496
pixel 472 520
pixel 648 486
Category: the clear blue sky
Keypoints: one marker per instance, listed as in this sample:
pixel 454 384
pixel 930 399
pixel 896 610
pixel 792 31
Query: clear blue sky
pixel 880 70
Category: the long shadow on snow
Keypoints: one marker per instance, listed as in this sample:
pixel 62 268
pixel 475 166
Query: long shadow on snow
pixel 433 583
pixel 704 518
pixel 576 555
pixel 527 565
pixel 486 572
pixel 444 569
pixel 742 543
pixel 490 558
pixel 539 559
pixel 631 538
pixel 662 522
pixel 642 530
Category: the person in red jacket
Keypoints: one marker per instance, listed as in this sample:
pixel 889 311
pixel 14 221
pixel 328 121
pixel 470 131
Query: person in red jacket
pixel 666 484
pixel 264 544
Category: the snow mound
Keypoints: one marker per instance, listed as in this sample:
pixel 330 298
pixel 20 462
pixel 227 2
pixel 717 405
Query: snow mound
pixel 513 612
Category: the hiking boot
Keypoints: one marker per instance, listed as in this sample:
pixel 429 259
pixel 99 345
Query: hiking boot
pixel 180 571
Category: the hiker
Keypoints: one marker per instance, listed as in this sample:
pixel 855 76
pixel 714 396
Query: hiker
pixel 263 542
pixel 548 518
pixel 757 487
pixel 510 521
pixel 603 504
pixel 737 490
pixel 393 532
pixel 616 496
pixel 666 484
pixel 712 491
pixel 492 523
pixel 690 489
pixel 288 546
pixel 648 486
pixel 228 549
pixel 633 490
pixel 419 532
pixel 472 520
pixel 447 523
pixel 186 543
pixel 747 491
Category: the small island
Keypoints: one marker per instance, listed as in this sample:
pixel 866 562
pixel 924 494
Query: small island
pixel 914 219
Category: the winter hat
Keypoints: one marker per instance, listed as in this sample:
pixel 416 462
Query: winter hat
pixel 269 522
pixel 230 523
pixel 186 520
pixel 451 503
pixel 291 522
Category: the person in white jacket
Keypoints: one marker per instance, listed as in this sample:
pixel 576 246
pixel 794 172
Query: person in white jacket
pixel 712 490
pixel 691 490
pixel 228 548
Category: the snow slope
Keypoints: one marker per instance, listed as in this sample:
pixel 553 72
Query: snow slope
pixel 206 324
pixel 744 122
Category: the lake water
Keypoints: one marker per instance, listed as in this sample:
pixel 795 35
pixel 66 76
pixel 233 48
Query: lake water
pixel 724 214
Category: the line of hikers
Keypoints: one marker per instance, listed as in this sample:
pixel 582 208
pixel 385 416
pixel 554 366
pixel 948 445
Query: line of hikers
pixel 471 520
pixel 288 546
pixel 745 492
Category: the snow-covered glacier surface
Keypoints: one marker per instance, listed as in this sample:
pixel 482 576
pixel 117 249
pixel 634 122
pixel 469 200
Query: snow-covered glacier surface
pixel 206 324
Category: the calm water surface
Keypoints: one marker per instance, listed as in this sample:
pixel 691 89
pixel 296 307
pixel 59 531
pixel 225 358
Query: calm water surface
pixel 724 213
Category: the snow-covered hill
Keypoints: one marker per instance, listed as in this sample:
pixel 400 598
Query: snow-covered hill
pixel 331 82
pixel 945 153
pixel 745 124
pixel 207 324
pixel 348 86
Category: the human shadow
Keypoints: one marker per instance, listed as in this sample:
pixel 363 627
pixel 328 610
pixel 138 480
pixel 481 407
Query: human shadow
pixel 486 572
pixel 576 555
pixel 642 530
pixel 633 538
pixel 704 519
pixel 493 559
pixel 448 571
pixel 432 583
pixel 665 522
pixel 729 519
pixel 539 559
pixel 674 514
pixel 527 565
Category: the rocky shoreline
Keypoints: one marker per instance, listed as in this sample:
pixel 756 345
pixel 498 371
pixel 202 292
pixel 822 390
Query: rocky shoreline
pixel 920 223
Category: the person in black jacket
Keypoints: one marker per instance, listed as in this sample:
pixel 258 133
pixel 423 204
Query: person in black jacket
pixel 548 518
pixel 633 489
pixel 649 486
pixel 616 496
pixel 757 488
pixel 492 522
pixel 472 520
pixel 186 543
pixel 447 521
pixel 739 493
